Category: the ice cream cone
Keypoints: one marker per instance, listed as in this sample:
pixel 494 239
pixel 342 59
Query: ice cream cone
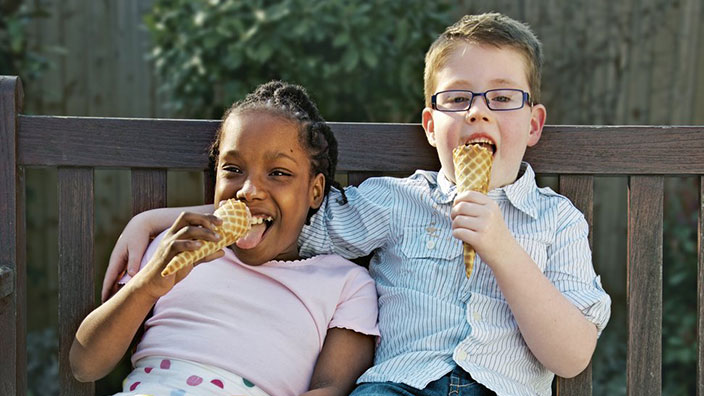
pixel 236 222
pixel 472 171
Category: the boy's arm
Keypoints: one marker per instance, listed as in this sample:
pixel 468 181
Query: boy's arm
pixel 132 243
pixel 345 355
pixel 555 330
pixel 353 229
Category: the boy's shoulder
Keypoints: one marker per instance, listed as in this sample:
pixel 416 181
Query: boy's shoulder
pixel 420 178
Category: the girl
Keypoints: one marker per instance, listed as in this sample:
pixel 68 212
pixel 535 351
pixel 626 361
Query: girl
pixel 258 319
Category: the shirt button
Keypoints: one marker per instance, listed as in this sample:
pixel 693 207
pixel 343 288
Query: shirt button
pixel 461 355
pixel 477 316
pixel 430 245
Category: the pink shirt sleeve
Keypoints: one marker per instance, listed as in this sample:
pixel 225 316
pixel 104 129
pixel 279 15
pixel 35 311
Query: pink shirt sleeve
pixel 358 309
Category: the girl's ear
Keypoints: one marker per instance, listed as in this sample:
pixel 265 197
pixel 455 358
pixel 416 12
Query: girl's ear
pixel 317 188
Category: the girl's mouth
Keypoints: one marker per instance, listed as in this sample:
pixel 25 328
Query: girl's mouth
pixel 260 225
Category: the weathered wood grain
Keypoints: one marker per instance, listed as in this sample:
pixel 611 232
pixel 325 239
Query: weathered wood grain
pixel 644 301
pixel 148 189
pixel 580 190
pixel 76 273
pixel 13 305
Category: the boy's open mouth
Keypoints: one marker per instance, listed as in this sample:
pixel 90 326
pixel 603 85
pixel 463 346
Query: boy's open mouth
pixel 485 143
pixel 260 225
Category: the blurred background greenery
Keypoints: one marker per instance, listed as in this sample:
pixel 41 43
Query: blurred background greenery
pixel 635 62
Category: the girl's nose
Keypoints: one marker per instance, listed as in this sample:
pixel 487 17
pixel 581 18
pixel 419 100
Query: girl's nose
pixel 249 191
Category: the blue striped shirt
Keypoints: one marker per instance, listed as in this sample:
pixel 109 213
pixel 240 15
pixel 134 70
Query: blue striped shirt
pixel 431 317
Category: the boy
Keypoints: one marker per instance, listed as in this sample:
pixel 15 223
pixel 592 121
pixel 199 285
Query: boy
pixel 533 305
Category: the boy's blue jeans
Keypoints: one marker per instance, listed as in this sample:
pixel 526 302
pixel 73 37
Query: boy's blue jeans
pixel 456 383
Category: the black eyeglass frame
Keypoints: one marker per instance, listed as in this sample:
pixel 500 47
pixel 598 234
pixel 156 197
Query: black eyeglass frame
pixel 526 99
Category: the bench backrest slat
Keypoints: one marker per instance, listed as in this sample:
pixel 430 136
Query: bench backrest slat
pixel 580 190
pixel 13 305
pixel 700 291
pixel 644 285
pixel 76 273
pixel 148 189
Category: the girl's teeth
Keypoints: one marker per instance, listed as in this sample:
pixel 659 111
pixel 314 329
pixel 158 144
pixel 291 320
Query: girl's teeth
pixel 260 220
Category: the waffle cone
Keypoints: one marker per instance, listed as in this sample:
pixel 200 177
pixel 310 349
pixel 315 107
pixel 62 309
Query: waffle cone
pixel 472 171
pixel 236 222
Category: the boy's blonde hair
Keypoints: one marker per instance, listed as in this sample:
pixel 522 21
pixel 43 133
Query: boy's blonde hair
pixel 486 29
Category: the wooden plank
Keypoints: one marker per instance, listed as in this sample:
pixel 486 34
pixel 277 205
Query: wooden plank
pixel 13 305
pixel 208 185
pixel 644 285
pixel 580 190
pixel 700 292
pixel 7 281
pixel 688 48
pixel 599 150
pixel 356 178
pixel 76 272
pixel 148 189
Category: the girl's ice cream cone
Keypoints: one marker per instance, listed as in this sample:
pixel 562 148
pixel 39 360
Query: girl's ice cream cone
pixel 236 222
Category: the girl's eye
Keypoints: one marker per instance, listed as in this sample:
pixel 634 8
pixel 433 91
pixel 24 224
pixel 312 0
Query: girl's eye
pixel 280 173
pixel 231 168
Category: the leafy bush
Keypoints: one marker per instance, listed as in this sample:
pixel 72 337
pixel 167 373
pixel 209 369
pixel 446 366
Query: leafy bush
pixel 359 61
pixel 16 58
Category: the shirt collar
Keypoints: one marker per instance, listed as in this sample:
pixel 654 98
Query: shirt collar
pixel 520 193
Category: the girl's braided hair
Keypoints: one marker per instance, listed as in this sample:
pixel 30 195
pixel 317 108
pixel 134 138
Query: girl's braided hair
pixel 292 103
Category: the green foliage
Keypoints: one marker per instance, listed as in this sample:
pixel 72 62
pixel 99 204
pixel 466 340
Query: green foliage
pixel 16 58
pixel 359 61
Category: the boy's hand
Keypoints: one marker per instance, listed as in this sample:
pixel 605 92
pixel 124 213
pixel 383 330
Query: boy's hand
pixel 127 253
pixel 477 220
pixel 185 234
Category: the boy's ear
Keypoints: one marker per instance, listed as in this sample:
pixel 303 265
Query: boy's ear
pixel 317 189
pixel 429 125
pixel 537 122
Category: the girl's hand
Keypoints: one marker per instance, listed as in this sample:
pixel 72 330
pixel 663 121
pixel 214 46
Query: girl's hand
pixel 187 233
pixel 477 220
pixel 130 247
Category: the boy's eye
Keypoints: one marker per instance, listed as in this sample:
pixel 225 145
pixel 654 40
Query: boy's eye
pixel 501 99
pixel 459 99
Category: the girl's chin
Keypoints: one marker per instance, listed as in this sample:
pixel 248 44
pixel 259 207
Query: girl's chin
pixel 250 257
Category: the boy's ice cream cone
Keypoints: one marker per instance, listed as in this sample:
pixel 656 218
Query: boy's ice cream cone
pixel 472 171
pixel 236 222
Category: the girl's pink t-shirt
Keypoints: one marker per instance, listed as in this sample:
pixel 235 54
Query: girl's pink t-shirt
pixel 264 323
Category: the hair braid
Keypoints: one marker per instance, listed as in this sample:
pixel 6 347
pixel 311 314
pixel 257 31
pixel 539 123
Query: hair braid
pixel 293 103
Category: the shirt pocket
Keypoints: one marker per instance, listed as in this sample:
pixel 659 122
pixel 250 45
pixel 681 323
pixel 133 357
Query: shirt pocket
pixel 536 249
pixel 431 254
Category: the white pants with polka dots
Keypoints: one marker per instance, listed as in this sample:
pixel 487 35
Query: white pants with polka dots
pixel 159 376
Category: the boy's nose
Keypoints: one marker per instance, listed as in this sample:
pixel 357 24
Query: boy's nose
pixel 478 110
pixel 249 191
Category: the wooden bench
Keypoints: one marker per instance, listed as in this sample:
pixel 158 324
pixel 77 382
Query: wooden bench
pixel 78 145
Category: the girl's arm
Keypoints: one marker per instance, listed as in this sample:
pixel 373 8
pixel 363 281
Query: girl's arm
pixel 106 333
pixel 346 354
pixel 132 243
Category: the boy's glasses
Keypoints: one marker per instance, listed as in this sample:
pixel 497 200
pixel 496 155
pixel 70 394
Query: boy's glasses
pixel 496 99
